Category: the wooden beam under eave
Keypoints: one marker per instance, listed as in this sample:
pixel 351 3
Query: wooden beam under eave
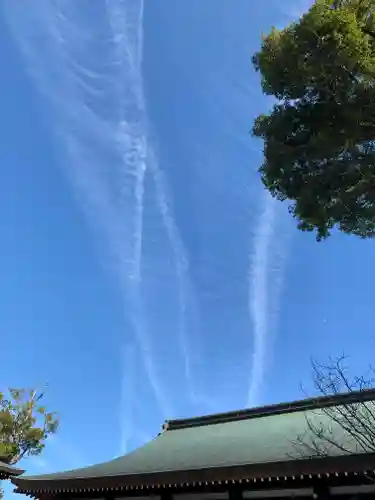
pixel 166 495
pixel 321 491
pixel 235 492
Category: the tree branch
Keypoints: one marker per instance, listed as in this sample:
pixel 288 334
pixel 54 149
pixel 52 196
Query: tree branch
pixel 356 419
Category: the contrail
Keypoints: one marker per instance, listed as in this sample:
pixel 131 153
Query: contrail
pixel 269 249
pixel 126 20
pixel 182 266
pixel 258 296
pixel 39 463
pixel 122 14
pixel 127 394
pixel 101 124
pixel 66 452
pixel 263 310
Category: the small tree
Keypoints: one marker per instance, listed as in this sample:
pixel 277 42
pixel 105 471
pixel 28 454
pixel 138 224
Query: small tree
pixel 345 428
pixel 319 139
pixel 25 425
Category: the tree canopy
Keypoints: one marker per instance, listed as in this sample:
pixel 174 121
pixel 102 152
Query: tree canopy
pixel 319 138
pixel 25 425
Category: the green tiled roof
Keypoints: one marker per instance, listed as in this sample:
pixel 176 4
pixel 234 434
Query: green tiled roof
pixel 258 436
pixel 258 440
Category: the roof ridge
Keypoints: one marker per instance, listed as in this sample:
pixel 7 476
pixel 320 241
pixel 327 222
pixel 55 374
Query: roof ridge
pixel 272 409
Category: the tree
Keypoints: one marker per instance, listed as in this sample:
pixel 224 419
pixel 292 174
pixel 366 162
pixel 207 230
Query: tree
pixel 348 427
pixel 319 138
pixel 25 425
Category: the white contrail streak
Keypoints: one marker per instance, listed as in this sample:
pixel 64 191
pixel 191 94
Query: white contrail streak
pixel 101 120
pixel 39 463
pixel 66 452
pixel 102 125
pixel 182 266
pixel 126 20
pixel 127 395
pixel 266 252
pixel 119 13
pixel 258 296
pixel 266 274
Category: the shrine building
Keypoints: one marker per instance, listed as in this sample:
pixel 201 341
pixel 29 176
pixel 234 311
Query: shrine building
pixel 241 455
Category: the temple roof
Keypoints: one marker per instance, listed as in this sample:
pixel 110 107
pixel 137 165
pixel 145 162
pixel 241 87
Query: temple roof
pixel 255 443
pixel 7 471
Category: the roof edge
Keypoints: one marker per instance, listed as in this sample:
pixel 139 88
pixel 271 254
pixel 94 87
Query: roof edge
pixel 313 403
pixel 251 473
pixel 9 470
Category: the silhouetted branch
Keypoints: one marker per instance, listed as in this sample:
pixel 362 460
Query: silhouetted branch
pixel 354 419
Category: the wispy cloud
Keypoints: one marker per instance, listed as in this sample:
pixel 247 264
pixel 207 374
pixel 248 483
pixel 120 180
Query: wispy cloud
pixel 127 394
pixel 182 267
pixel 124 14
pixel 100 124
pixel 258 295
pixel 92 75
pixel 266 273
pixel 66 454
pixel 38 463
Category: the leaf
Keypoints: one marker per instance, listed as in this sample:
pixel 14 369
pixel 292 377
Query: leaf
pixel 24 426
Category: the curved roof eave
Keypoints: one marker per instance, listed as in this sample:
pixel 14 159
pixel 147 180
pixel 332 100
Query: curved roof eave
pixel 277 472
pixel 255 443
pixel 7 471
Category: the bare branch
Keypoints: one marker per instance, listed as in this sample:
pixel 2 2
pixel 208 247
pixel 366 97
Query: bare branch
pixel 348 427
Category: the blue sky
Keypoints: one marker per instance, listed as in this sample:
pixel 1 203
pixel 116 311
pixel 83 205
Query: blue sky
pixel 145 272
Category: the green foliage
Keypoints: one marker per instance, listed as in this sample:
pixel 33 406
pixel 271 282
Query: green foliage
pixel 319 139
pixel 24 424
